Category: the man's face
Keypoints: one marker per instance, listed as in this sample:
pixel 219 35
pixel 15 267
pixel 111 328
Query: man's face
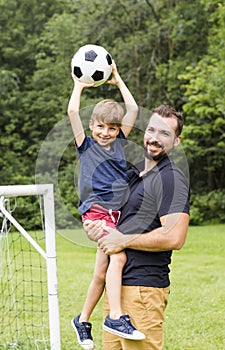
pixel 160 137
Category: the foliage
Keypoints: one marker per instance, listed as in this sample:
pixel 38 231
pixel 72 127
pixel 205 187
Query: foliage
pixel 167 52
pixel 209 207
pixel 205 110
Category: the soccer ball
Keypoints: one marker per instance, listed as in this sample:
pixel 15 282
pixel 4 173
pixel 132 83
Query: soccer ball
pixel 92 64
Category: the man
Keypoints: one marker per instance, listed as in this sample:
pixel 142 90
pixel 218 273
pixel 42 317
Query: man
pixel 154 222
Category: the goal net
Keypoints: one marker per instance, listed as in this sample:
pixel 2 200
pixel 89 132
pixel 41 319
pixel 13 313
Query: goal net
pixel 29 312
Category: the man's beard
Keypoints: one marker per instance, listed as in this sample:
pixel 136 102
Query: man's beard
pixel 157 157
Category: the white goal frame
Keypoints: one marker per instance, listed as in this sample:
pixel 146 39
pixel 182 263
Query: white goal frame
pixel 50 244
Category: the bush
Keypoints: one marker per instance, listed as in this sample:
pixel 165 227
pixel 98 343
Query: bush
pixel 208 208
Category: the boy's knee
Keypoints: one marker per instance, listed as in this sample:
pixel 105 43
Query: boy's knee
pixel 119 258
pixel 100 277
pixel 122 258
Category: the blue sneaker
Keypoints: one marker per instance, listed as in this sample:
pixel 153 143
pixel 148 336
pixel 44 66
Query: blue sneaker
pixel 83 332
pixel 123 328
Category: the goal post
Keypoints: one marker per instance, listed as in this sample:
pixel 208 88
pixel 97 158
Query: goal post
pixel 47 252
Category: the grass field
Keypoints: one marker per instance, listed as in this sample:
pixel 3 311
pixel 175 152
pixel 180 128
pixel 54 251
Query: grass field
pixel 195 316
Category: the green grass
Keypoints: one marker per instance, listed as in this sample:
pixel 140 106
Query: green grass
pixel 23 282
pixel 195 313
pixel 75 270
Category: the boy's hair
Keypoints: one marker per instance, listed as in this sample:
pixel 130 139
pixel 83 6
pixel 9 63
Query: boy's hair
pixel 169 112
pixel 109 112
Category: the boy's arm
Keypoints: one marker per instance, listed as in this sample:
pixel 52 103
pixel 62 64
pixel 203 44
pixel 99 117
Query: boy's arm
pixel 130 103
pixel 73 111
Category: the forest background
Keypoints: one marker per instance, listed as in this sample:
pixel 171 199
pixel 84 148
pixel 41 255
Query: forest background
pixel 170 52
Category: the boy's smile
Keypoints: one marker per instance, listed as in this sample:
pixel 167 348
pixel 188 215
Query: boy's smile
pixel 104 134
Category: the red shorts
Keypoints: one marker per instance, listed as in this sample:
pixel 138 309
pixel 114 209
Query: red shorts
pixel 97 212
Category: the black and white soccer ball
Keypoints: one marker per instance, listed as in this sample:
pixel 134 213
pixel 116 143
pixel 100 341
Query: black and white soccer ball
pixel 92 64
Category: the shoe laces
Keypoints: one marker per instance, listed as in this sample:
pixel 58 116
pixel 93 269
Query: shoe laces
pixel 85 330
pixel 126 320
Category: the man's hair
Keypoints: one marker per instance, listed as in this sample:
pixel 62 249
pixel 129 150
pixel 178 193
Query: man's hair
pixel 108 111
pixel 169 112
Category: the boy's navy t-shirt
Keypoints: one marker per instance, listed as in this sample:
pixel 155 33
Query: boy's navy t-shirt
pixel 103 174
pixel 161 191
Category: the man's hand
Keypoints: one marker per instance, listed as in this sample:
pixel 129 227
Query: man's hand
pixel 93 229
pixel 115 241
pixel 112 243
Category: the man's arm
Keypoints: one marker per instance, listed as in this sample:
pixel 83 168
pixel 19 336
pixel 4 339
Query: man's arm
pixel 170 236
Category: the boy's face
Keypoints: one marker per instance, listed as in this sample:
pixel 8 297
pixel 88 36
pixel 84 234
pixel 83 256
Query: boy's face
pixel 104 134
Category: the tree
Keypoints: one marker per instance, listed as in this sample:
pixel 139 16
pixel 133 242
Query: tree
pixel 205 110
pixel 22 23
pixel 152 42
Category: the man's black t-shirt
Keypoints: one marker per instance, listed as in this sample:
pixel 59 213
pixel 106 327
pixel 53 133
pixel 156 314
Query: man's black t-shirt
pixel 161 191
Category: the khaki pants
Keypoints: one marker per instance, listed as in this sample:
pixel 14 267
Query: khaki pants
pixel 145 306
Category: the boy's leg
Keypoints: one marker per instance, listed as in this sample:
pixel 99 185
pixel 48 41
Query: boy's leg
pixel 115 267
pixel 96 286
pixel 80 323
pixel 114 282
pixel 117 322
pixel 146 306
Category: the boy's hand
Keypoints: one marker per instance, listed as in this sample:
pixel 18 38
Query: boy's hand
pixel 116 78
pixel 80 83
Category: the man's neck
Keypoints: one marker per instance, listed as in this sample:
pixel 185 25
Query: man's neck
pixel 149 165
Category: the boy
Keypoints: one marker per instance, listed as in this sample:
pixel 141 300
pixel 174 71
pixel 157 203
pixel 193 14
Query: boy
pixel 103 191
